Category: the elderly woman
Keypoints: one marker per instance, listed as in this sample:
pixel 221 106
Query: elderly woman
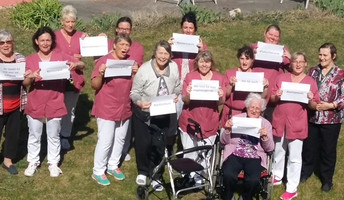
pixel 156 77
pixel 112 109
pixel 271 69
pixel 206 113
pixel 12 102
pixel 243 152
pixel 67 41
pixel 235 99
pixel 45 101
pixel 289 125
pixel 324 124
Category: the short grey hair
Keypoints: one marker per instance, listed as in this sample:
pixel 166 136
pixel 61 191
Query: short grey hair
pixel 68 11
pixel 5 34
pixel 253 96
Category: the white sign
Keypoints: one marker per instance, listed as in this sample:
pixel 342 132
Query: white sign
pixel 118 68
pixel 247 126
pixel 295 92
pixel 185 43
pixel 205 90
pixel 249 81
pixel 162 105
pixel 269 52
pixel 94 46
pixel 54 70
pixel 12 71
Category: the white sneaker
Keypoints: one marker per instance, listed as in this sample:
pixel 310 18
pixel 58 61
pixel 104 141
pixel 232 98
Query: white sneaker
pixel 55 171
pixel 141 179
pixel 157 186
pixel 127 157
pixel 31 169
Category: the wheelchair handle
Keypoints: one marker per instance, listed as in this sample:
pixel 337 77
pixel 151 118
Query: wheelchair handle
pixel 197 129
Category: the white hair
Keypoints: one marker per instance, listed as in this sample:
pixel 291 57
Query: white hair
pixel 68 11
pixel 253 96
pixel 5 34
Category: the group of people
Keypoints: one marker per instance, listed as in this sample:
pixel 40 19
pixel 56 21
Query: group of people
pixel 303 131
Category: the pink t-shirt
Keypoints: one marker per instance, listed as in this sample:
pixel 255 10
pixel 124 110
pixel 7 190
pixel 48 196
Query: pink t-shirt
pixel 70 49
pixel 135 52
pixel 112 100
pixel 178 58
pixel 236 99
pixel 292 116
pixel 45 98
pixel 206 113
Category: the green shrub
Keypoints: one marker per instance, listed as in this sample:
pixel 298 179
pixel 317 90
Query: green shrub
pixel 36 13
pixel 106 21
pixel 203 15
pixel 334 6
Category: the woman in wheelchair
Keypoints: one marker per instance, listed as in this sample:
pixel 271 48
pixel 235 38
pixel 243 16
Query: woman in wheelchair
pixel 244 152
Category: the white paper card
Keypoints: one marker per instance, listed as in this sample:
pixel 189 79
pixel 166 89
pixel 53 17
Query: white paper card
pixel 94 46
pixel 249 81
pixel 295 92
pixel 12 71
pixel 247 126
pixel 54 70
pixel 269 52
pixel 185 43
pixel 204 90
pixel 162 105
pixel 118 68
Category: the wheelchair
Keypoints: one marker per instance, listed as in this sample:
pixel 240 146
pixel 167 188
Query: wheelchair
pixel 179 170
pixel 265 188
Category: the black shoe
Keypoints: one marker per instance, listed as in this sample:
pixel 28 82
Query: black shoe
pixel 326 187
pixel 11 169
pixel 303 179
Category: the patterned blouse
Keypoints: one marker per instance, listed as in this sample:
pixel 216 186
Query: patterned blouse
pixel 331 89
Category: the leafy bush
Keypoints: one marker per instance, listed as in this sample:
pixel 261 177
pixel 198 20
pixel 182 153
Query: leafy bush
pixel 106 21
pixel 203 15
pixel 334 6
pixel 36 13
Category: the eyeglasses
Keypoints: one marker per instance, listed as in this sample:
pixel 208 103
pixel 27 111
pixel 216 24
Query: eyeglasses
pixel 6 42
pixel 298 62
pixel 124 29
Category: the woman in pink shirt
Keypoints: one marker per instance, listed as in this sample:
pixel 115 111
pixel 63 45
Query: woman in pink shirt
pixel 235 99
pixel 206 113
pixel 112 109
pixel 45 101
pixel 289 125
pixel 68 41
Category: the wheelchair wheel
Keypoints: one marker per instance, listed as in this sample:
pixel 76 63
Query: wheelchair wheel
pixel 142 192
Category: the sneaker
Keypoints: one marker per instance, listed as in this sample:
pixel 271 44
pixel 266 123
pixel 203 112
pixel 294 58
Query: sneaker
pixel 127 157
pixel 102 179
pixel 117 173
pixel 157 186
pixel 287 195
pixel 326 187
pixel 31 169
pixel 141 179
pixel 275 181
pixel 55 171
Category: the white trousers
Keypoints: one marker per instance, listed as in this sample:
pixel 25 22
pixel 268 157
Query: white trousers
pixel 193 141
pixel 111 138
pixel 127 142
pixel 294 162
pixel 70 100
pixel 53 127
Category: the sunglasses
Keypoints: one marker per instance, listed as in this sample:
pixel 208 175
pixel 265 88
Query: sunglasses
pixel 6 42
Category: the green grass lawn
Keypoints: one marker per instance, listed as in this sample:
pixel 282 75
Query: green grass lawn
pixel 301 31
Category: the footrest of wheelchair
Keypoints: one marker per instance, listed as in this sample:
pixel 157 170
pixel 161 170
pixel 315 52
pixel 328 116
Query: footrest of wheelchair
pixel 262 174
pixel 185 165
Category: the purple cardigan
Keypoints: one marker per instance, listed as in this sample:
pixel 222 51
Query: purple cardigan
pixel 263 146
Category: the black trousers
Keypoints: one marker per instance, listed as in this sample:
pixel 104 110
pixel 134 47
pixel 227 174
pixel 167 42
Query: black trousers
pixel 11 122
pixel 321 145
pixel 231 168
pixel 149 148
